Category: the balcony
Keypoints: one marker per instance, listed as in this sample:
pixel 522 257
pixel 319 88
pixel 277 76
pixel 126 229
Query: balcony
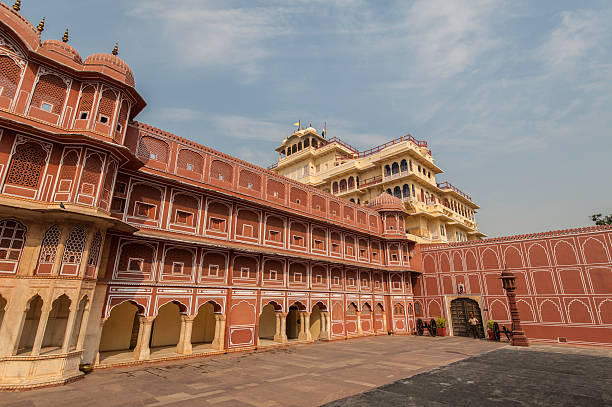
pixel 445 186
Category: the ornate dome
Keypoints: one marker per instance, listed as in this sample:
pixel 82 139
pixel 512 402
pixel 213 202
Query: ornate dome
pixel 386 202
pixel 113 63
pixel 20 25
pixel 62 48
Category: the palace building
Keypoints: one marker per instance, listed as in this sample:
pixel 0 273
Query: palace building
pixel 403 167
pixel 121 243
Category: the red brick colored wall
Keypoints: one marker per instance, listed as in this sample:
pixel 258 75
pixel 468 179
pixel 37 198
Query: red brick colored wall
pixel 564 282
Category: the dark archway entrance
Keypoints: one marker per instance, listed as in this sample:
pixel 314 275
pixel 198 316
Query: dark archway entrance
pixel 461 309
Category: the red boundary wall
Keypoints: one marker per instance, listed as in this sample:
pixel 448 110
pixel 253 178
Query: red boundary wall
pixel 564 282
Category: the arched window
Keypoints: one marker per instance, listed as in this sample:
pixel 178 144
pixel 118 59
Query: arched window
pixel 389 191
pixel 27 165
pixel 387 170
pixel 405 191
pixel 75 244
pixel 410 164
pixel 10 73
pixel 403 166
pixel 299 146
pixel 357 181
pixel 342 185
pixel 307 143
pixel 335 187
pixel 413 193
pixel 358 201
pixel 48 248
pixel 397 191
pixel 294 148
pixel 394 168
pixel 315 144
pixel 50 94
pixel 352 200
pixel 12 238
pixel 351 182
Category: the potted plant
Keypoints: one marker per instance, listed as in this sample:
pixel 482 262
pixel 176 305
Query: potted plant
pixel 490 331
pixel 441 326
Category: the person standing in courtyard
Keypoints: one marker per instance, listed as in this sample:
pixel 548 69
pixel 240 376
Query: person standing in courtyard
pixel 474 325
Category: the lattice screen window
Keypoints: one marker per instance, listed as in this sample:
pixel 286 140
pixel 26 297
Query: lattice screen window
pixel 188 160
pixel 68 171
pixel 73 252
pixel 50 89
pixel 27 164
pixel 153 149
pixel 12 238
pixel 107 106
pixel 9 76
pixel 94 250
pixel 86 102
pixel 91 174
pixel 250 180
pixel 221 170
pixel 48 249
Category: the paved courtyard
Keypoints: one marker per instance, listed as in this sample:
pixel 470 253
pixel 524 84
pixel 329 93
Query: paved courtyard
pixel 302 375
pixel 536 376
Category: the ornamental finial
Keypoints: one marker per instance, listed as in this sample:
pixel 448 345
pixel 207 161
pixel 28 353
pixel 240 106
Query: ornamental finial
pixel 115 49
pixel 17 5
pixel 41 25
pixel 65 37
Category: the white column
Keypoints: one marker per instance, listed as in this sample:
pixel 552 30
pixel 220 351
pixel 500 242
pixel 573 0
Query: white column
pixel 384 315
pixel 219 341
pixel 69 327
pixel 359 329
pixel 40 331
pixel 183 346
pixel 280 334
pixel 324 325
pixel 142 350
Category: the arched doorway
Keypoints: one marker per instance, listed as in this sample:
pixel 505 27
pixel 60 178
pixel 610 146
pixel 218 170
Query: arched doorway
pixel 56 325
pixel 166 328
pixel 379 324
pixel 78 324
pixel 316 321
pixel 293 323
pixel 204 325
pixel 366 318
pixel 267 322
pixel 120 330
pixel 30 325
pixel 461 309
pixel 351 319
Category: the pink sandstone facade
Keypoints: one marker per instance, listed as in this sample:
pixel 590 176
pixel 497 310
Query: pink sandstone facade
pixel 122 243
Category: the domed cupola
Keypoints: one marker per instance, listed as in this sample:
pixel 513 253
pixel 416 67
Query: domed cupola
pixel 111 65
pixel 11 18
pixel 392 212
pixel 63 49
pixel 387 203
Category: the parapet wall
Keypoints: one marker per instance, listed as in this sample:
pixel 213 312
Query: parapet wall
pixel 564 282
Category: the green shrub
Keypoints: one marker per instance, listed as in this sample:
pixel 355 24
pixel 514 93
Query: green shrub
pixel 440 322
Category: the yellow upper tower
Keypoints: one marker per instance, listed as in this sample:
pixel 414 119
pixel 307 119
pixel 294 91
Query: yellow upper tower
pixel 404 167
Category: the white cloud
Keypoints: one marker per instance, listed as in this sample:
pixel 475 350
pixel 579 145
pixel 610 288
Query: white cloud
pixel 176 114
pixel 578 33
pixel 206 35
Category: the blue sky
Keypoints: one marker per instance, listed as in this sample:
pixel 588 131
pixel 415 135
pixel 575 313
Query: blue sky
pixel 514 97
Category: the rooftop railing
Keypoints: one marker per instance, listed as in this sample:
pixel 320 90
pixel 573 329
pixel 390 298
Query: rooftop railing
pixel 448 185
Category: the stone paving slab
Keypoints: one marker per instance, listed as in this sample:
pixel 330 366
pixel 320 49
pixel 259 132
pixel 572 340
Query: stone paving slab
pixel 535 376
pixel 301 375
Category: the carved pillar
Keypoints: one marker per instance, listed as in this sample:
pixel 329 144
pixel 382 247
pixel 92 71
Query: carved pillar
pixel 183 346
pixel 59 255
pixel 219 341
pixel 85 257
pixel 69 327
pixel 305 326
pixel 384 317
pixel 142 350
pixel 281 327
pixel 40 331
pixel 324 325
pixel 509 284
pixel 359 329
